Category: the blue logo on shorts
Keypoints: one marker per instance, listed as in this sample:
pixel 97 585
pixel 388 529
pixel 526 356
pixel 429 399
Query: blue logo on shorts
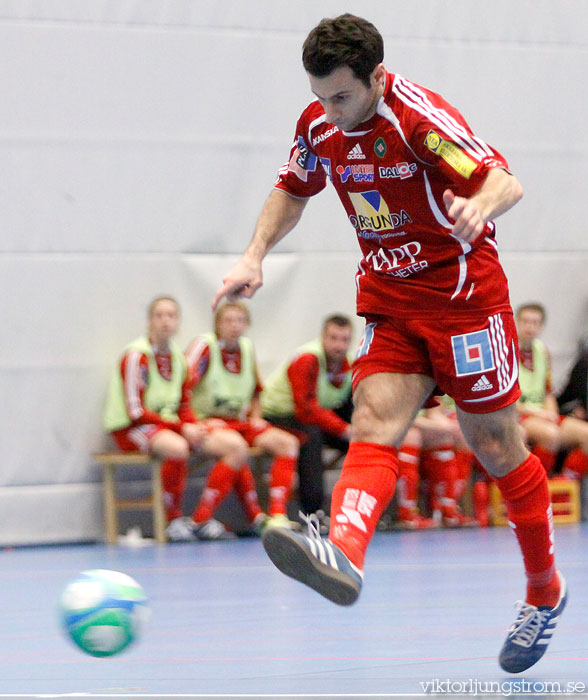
pixel 366 340
pixel 472 353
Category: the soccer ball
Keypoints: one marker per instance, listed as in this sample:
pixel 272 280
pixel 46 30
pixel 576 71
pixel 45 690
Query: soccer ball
pixel 103 611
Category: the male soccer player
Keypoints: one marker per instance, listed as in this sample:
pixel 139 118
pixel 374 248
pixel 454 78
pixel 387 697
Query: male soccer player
pixel 421 191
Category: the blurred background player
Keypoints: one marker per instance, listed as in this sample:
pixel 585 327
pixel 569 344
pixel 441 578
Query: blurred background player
pixel 573 399
pixel 226 385
pixel 148 409
pixel 435 447
pixel 545 429
pixel 408 515
pixel 311 394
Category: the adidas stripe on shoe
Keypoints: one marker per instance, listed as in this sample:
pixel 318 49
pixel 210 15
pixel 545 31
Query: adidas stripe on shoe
pixel 531 632
pixel 314 561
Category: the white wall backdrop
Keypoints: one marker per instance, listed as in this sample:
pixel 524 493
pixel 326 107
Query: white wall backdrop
pixel 138 139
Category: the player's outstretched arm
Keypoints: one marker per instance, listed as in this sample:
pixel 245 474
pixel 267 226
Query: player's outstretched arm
pixel 280 213
pixel 499 192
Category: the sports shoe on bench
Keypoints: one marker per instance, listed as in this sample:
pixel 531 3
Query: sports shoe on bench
pixel 530 633
pixel 314 561
pixel 213 530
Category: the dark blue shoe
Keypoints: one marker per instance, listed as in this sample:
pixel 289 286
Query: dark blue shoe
pixel 314 561
pixel 531 632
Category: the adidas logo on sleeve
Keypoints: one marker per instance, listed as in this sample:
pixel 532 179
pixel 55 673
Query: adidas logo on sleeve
pixel 482 384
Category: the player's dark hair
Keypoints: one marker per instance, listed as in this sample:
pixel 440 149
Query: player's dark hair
pixel 346 40
pixel 337 320
pixel 532 306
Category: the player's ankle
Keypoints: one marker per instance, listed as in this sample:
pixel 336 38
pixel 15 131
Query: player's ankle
pixel 544 595
pixel 351 546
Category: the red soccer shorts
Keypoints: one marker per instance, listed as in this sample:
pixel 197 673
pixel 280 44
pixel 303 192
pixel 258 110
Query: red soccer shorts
pixel 474 360
pixel 136 438
pixel 139 437
pixel 524 416
pixel 247 430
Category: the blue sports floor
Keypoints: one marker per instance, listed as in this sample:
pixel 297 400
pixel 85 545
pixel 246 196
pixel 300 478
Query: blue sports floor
pixel 434 610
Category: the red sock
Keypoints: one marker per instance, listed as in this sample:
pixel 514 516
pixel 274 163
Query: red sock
pixel 281 478
pixel 481 502
pixel 463 463
pixel 173 481
pixel 440 468
pixel 360 496
pixel 546 457
pixel 575 464
pixel 247 492
pixel 218 486
pixel 526 495
pixel 408 481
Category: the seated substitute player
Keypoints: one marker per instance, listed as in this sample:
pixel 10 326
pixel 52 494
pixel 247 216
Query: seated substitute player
pixel 544 428
pixel 573 399
pixel 226 385
pixel 408 516
pixel 421 191
pixel 148 409
pixel 433 446
pixel 311 394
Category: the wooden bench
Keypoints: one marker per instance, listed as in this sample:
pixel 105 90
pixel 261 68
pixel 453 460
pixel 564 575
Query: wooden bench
pixel 565 501
pixel 116 460
pixel 110 462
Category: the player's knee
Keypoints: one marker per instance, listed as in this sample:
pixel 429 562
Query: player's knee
pixel 287 445
pixel 413 438
pixel 232 447
pixel 550 438
pixel 170 445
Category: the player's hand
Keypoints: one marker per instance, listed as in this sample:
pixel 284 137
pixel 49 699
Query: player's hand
pixel 551 416
pixel 243 280
pixel 468 220
pixel 258 423
pixel 193 432
pixel 214 424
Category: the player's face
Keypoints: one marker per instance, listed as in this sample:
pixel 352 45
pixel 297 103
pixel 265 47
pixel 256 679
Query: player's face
pixel 346 100
pixel 529 325
pixel 336 342
pixel 231 325
pixel 164 321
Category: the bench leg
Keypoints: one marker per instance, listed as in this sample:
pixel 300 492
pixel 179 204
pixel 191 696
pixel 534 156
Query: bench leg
pixel 110 514
pixel 159 519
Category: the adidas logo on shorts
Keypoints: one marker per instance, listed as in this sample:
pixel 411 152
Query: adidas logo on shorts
pixel 482 384
pixel 356 153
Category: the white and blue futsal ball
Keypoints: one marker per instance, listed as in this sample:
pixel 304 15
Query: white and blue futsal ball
pixel 103 611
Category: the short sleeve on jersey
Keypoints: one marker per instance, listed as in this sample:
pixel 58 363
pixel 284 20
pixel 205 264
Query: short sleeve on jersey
pixel 303 174
pixel 440 135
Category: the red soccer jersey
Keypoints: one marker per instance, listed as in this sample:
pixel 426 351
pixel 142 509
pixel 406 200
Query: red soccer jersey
pixel 303 374
pixel 390 174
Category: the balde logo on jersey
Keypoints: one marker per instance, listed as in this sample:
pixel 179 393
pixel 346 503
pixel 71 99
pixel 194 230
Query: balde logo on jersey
pixel 372 213
pixel 472 353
